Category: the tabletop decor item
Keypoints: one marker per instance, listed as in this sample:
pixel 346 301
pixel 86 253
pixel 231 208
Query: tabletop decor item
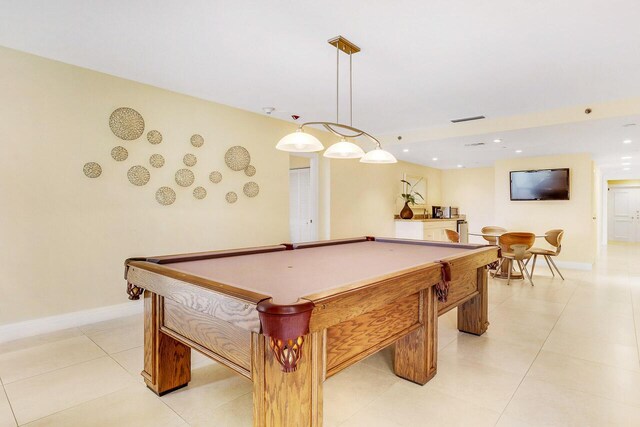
pixel 165 196
pixel 189 160
pixel 126 123
pixel 197 140
pixel 92 170
pixel 251 189
pixel 215 177
pixel 231 197
pixel 237 158
pixel 250 170
pixel 119 153
pixel 156 160
pixel 409 196
pixel 199 193
pixel 154 137
pixel 184 177
pixel 138 175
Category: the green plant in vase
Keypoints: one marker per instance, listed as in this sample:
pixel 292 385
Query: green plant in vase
pixel 409 196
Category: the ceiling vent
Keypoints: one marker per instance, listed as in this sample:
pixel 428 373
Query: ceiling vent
pixel 474 144
pixel 468 119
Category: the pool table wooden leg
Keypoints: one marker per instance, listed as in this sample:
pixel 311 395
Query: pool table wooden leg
pixel 167 362
pixel 416 353
pixel 287 398
pixel 473 315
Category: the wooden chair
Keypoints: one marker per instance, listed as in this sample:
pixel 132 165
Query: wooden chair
pixel 453 236
pixel 492 229
pixel 515 248
pixel 554 238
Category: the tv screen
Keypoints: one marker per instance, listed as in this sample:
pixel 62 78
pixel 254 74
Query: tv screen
pixel 543 184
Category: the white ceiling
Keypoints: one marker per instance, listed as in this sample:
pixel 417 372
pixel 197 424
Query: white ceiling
pixel 422 62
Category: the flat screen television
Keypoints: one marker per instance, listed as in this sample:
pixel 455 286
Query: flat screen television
pixel 542 184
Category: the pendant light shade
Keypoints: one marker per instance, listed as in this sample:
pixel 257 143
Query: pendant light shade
pixel 378 155
pixel 344 150
pixel 300 142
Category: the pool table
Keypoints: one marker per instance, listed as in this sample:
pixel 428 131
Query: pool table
pixel 289 316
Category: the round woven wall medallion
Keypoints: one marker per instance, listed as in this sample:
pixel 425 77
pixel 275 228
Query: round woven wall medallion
pixel 138 175
pixel 215 177
pixel 184 177
pixel 189 160
pixel 126 123
pixel 154 137
pixel 197 140
pixel 250 170
pixel 119 153
pixel 156 160
pixel 231 197
pixel 251 189
pixel 237 158
pixel 165 196
pixel 92 170
pixel 199 193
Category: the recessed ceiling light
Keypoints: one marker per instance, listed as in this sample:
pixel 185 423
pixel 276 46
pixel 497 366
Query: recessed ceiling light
pixel 518 151
pixel 628 125
pixel 626 141
pixel 626 164
pixel 459 166
pixel 435 159
pixel 626 169
pixel 406 150
pixel 497 140
pixel 625 157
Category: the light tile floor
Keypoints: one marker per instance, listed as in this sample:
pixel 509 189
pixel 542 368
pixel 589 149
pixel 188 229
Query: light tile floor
pixel 562 353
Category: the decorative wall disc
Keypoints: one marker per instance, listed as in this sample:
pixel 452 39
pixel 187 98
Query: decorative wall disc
pixel 126 123
pixel 138 175
pixel 184 177
pixel 154 137
pixel 119 153
pixel 199 193
pixel 92 170
pixel 156 160
pixel 165 196
pixel 231 197
pixel 251 189
pixel 237 158
pixel 215 177
pixel 250 170
pixel 189 160
pixel 197 140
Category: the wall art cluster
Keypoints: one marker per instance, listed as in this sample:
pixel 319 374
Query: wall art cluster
pixel 128 125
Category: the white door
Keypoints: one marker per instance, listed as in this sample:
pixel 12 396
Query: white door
pixel 626 214
pixel 300 220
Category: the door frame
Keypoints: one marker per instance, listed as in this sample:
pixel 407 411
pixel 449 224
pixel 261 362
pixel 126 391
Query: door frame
pixel 313 189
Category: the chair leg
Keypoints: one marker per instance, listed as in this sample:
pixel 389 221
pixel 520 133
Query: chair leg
pixel 509 273
pixel 554 264
pixel 533 266
pixel 519 264
pixel 498 267
pixel 546 258
pixel 528 276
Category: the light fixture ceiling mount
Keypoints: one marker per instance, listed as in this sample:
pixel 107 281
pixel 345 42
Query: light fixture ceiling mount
pixel 300 141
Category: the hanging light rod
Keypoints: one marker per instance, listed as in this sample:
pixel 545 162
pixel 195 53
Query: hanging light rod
pixel 302 142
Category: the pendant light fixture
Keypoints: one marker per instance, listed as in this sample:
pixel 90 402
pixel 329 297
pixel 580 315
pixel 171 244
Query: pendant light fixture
pixel 302 142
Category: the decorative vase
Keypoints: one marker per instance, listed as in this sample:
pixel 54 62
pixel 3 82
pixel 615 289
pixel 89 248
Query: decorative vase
pixel 406 212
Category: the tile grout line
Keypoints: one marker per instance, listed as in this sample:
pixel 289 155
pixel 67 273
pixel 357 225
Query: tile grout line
pixel 13 413
pixel 535 358
pixel 57 369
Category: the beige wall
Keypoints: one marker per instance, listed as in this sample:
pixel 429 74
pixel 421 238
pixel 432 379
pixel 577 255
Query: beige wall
pixel 574 216
pixel 472 190
pixel 297 162
pixel 365 197
pixel 64 236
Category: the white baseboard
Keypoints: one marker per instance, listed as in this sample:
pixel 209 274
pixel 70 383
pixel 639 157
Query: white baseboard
pixel 570 265
pixel 43 325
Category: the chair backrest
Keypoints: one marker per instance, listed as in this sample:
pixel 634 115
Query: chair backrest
pixel 453 236
pixel 516 238
pixel 554 238
pixel 492 229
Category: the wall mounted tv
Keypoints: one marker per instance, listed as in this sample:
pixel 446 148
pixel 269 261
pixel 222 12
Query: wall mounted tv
pixel 542 184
